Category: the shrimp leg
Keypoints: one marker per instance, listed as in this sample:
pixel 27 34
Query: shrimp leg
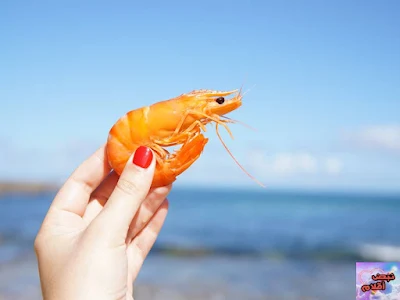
pixel 187 154
pixel 180 138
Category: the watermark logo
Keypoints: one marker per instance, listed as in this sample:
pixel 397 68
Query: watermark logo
pixel 377 281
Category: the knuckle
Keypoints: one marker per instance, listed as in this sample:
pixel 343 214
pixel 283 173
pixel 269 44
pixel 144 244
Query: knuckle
pixel 127 186
pixel 160 192
pixel 100 197
pixel 37 245
pixel 140 250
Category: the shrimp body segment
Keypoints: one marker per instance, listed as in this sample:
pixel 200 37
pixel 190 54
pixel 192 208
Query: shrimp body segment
pixel 178 121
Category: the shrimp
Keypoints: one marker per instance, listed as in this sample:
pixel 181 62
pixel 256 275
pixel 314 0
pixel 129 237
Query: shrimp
pixel 177 121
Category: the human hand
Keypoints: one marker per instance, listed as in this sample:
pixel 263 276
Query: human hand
pixel 99 229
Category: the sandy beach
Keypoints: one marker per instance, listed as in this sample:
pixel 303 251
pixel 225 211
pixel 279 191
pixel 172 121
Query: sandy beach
pixel 19 281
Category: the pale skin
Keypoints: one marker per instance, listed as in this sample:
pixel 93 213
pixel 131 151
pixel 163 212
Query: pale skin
pixel 99 230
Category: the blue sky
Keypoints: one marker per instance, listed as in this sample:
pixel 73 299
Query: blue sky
pixel 324 80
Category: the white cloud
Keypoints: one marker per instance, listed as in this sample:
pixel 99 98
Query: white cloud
pixel 333 165
pixel 294 163
pixel 385 137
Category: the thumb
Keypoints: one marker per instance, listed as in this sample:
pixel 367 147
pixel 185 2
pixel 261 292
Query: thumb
pixel 129 193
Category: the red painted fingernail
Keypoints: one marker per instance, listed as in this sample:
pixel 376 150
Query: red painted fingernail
pixel 143 157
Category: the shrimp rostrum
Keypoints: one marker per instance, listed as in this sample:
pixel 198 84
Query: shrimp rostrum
pixel 178 121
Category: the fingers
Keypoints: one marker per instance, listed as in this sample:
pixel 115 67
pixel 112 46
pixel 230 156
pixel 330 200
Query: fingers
pixel 146 211
pixel 144 241
pixel 75 193
pixel 99 197
pixel 129 193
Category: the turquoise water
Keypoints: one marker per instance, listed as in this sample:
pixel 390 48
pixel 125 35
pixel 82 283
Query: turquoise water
pixel 259 242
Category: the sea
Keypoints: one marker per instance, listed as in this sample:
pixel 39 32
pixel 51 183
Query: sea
pixel 234 244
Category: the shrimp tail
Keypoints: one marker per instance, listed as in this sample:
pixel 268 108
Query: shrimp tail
pixel 179 161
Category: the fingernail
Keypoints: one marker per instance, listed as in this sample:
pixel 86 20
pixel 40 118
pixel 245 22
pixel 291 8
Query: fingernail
pixel 143 157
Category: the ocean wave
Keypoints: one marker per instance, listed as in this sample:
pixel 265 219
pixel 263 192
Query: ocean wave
pixel 380 252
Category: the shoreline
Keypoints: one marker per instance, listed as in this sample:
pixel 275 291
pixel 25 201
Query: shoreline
pixel 8 187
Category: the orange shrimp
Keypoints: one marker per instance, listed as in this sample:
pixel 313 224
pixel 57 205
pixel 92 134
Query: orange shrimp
pixel 178 121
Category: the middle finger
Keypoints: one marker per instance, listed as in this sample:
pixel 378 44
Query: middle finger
pixel 147 209
pixel 149 206
pixel 100 196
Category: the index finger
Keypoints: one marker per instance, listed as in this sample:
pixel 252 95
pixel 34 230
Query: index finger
pixel 75 193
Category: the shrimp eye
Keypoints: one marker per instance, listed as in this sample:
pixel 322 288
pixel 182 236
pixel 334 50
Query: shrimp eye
pixel 220 100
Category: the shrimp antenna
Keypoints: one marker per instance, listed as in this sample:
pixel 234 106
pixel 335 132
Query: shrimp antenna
pixel 230 120
pixel 241 88
pixel 240 166
pixel 248 90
